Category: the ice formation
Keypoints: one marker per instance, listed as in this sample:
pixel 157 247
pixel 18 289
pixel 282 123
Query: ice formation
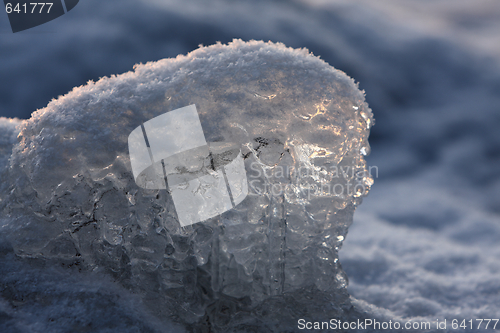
pixel 8 135
pixel 302 127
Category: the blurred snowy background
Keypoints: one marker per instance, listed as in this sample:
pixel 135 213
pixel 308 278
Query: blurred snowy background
pixel 424 245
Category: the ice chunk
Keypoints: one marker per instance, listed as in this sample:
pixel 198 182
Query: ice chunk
pixel 171 149
pixel 300 129
pixel 8 134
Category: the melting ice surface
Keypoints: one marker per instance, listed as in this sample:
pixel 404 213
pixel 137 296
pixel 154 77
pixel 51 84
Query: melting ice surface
pixel 302 127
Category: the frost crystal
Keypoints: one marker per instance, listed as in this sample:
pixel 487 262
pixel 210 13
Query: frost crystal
pixel 302 128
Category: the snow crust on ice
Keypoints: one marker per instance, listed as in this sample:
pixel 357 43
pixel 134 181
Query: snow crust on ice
pixel 72 197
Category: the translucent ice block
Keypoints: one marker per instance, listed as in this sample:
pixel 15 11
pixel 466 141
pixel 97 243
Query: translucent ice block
pixel 269 257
